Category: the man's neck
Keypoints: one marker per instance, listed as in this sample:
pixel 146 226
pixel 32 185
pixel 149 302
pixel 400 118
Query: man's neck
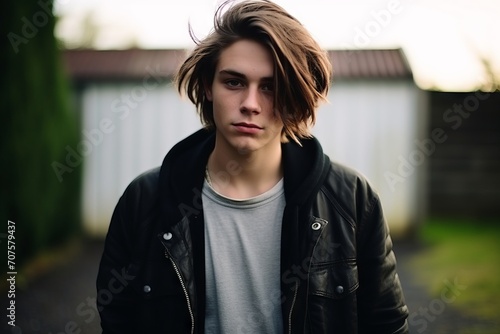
pixel 244 175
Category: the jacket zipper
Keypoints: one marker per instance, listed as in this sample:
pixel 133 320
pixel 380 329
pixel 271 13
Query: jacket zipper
pixel 167 255
pixel 291 307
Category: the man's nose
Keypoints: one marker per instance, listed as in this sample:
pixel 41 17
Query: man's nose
pixel 251 101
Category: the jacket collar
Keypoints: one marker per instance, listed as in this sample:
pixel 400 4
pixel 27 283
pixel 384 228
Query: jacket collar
pixel 182 174
pixel 183 169
pixel 305 168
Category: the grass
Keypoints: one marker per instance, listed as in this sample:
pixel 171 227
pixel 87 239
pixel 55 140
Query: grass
pixel 466 254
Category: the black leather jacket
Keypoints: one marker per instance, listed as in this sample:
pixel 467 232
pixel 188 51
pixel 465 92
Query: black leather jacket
pixel 337 265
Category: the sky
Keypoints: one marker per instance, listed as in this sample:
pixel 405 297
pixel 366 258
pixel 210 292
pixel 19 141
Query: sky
pixel 444 41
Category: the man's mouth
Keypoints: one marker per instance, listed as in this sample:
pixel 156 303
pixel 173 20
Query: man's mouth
pixel 247 128
pixel 247 125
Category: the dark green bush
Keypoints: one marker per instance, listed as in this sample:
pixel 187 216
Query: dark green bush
pixel 37 123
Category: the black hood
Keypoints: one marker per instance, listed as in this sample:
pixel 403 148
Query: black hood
pixel 183 169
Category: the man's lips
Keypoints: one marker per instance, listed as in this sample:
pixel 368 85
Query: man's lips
pixel 247 125
pixel 247 128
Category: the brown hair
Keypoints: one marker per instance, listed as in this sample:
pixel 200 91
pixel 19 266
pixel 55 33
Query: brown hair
pixel 302 69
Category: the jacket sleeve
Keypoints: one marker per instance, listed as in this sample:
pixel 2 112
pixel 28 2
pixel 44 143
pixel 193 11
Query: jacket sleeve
pixel 381 304
pixel 115 296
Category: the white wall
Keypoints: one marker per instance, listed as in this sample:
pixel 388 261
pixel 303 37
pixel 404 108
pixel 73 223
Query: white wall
pixel 130 127
pixel 145 124
pixel 370 126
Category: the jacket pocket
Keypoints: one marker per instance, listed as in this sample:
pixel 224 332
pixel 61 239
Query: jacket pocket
pixel 333 280
pixel 157 281
pixel 160 306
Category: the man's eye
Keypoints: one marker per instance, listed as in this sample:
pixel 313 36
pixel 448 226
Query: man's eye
pixel 268 87
pixel 233 83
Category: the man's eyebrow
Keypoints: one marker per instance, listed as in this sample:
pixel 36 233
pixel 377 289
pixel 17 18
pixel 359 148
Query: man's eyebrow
pixel 233 73
pixel 240 75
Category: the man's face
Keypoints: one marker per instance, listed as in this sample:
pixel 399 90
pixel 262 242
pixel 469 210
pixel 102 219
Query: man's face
pixel 242 93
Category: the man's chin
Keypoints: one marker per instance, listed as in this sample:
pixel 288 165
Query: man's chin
pixel 244 149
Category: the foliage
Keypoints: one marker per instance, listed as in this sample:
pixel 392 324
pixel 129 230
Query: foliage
pixel 37 123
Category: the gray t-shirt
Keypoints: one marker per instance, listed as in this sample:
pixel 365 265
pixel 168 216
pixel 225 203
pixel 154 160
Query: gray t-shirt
pixel 242 262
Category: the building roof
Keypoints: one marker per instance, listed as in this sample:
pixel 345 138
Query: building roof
pixel 121 64
pixel 370 64
pixel 139 63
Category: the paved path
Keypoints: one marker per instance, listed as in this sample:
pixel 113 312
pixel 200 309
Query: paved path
pixel 62 301
pixel 58 302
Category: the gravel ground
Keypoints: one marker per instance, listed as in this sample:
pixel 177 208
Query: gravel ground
pixel 63 300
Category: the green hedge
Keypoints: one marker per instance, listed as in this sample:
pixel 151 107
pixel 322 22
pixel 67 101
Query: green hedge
pixel 37 123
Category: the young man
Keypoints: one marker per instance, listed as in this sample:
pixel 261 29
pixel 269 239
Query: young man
pixel 248 227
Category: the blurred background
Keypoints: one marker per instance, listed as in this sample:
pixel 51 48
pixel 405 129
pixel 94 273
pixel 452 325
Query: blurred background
pixel 87 104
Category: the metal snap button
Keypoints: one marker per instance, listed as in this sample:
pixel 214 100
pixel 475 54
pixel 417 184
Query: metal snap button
pixel 316 226
pixel 147 289
pixel 167 236
pixel 339 289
